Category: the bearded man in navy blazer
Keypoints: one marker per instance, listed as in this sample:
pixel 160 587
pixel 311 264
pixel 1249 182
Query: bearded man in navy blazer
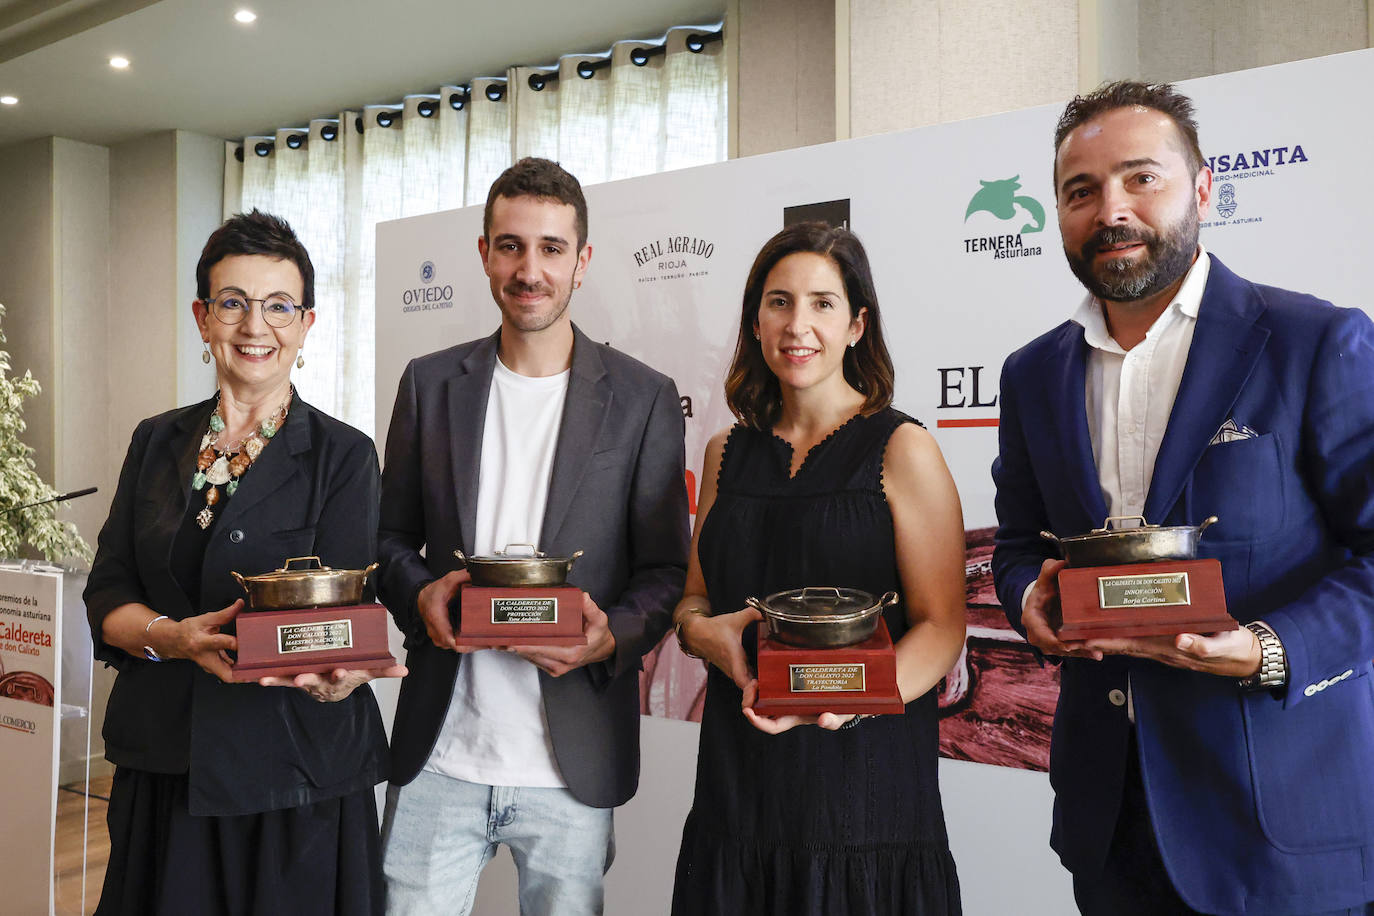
pixel 1223 773
pixel 533 435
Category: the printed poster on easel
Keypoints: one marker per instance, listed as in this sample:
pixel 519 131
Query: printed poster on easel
pixel 30 663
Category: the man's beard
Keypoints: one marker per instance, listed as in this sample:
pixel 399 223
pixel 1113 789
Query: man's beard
pixel 1168 256
pixel 531 323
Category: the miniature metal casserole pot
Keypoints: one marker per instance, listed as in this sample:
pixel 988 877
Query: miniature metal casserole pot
pixel 518 566
pixel 822 618
pixel 1108 546
pixel 314 585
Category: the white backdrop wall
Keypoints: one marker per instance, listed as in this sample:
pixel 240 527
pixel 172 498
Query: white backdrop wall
pixel 670 254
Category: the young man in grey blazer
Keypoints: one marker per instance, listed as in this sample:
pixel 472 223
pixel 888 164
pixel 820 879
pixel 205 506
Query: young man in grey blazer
pixel 536 435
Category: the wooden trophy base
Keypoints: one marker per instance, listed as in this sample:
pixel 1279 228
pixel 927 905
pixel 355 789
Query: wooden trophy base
pixel 1163 598
pixel 311 641
pixel 520 617
pixel 861 678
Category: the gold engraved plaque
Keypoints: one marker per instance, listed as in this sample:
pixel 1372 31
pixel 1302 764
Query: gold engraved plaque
pixel 826 678
pixel 1143 590
pixel 524 610
pixel 314 637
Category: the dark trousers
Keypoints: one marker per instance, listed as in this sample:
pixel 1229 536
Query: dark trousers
pixel 1133 881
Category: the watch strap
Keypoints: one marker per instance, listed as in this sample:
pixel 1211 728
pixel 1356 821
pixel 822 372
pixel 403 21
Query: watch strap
pixel 1273 669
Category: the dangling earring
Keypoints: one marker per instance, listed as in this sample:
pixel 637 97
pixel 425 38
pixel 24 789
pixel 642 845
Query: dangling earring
pixel 205 354
pixel 300 360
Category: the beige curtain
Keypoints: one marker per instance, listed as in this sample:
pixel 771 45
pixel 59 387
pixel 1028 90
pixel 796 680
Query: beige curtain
pixel 335 180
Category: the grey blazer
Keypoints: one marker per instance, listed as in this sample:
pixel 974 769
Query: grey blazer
pixel 617 492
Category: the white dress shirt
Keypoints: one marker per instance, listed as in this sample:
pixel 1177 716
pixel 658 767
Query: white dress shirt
pixel 1129 394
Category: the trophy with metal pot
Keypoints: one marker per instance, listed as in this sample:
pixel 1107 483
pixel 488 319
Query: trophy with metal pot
pixel 825 650
pixel 307 618
pixel 1138 581
pixel 519 596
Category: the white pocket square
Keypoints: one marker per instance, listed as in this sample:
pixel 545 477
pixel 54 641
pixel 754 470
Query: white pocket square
pixel 1232 432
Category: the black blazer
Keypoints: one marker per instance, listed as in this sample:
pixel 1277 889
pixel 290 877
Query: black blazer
pixel 617 492
pixel 313 491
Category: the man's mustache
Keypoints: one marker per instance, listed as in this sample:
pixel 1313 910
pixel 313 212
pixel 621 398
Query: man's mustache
pixel 524 289
pixel 1108 236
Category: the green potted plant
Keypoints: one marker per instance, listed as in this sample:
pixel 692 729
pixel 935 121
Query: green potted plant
pixel 36 527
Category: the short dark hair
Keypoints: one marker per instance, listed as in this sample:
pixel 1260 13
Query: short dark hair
pixel 535 177
pixel 751 388
pixel 1162 97
pixel 255 233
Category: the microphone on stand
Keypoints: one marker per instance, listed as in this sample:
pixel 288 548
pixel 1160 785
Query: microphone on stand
pixel 61 497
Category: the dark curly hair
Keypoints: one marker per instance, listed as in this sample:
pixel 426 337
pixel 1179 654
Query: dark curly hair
pixel 535 177
pixel 1162 97
pixel 255 233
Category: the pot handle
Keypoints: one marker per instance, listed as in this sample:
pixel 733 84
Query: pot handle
pixel 1106 525
pixel 573 559
pixel 888 598
pixel 757 605
pixel 462 558
pixel 1209 520
pixel 371 566
pixel 287 566
pixel 1050 536
pixel 243 584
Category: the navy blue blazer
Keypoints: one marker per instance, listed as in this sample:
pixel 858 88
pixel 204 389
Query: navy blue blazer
pixel 246 748
pixel 1262 802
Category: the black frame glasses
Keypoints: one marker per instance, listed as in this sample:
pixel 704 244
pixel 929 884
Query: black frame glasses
pixel 231 306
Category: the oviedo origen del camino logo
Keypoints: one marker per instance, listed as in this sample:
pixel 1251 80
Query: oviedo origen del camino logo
pixel 429 295
pixel 1001 199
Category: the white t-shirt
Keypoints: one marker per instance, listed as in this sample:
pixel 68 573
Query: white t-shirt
pixel 495 732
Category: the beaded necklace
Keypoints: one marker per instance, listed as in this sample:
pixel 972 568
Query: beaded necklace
pixel 224 468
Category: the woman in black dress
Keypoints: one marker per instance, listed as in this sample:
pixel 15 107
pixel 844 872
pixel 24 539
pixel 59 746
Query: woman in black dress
pixel 236 798
pixel 820 483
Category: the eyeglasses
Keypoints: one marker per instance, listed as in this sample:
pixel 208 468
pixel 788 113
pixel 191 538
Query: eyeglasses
pixel 277 310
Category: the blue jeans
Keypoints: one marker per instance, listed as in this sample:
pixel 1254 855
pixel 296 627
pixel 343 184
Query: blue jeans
pixel 438 833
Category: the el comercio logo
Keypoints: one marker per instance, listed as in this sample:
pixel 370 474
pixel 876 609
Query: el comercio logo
pixel 1000 199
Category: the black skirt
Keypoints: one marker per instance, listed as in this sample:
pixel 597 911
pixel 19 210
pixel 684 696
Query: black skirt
pixel 312 860
pixel 811 822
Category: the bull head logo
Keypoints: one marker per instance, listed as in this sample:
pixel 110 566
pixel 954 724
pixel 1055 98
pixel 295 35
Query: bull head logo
pixel 1001 200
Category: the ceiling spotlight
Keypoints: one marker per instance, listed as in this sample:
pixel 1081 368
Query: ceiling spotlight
pixel 9 100
pixel 245 16
pixel 119 63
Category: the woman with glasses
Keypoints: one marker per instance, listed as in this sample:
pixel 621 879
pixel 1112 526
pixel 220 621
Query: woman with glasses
pixel 236 798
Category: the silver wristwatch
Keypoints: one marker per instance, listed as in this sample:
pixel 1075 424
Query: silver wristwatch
pixel 1273 669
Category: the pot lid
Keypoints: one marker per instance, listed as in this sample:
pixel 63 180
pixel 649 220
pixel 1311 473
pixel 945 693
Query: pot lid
pixel 317 571
pixel 1107 532
pixel 514 553
pixel 820 604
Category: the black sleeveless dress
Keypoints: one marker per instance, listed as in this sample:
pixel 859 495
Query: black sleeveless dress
pixel 810 821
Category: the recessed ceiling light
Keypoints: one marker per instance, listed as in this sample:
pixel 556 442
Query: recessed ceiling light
pixel 245 16
pixel 9 100
pixel 119 63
